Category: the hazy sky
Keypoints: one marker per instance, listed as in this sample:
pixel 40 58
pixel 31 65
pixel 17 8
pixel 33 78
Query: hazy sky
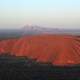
pixel 48 13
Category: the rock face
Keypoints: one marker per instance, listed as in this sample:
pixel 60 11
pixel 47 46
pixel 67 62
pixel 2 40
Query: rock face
pixel 56 49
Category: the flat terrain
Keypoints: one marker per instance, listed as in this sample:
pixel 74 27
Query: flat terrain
pixel 22 68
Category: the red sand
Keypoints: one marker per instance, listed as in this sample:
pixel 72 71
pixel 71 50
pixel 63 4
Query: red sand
pixel 56 49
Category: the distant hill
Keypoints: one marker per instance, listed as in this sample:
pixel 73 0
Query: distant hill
pixel 35 30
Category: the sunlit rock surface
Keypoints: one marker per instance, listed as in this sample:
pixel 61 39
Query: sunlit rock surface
pixel 56 49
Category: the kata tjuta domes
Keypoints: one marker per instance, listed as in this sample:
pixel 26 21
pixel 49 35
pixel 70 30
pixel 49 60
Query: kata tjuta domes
pixel 56 49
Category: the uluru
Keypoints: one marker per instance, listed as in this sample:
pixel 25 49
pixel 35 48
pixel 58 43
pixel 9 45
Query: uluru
pixel 55 49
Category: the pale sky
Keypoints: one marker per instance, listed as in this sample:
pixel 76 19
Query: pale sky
pixel 47 13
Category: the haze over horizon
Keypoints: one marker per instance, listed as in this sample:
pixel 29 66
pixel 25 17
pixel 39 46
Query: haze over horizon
pixel 45 13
